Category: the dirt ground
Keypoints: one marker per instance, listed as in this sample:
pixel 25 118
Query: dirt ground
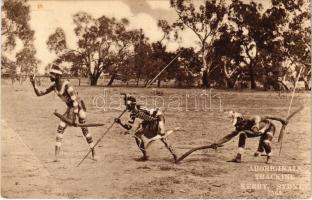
pixel 28 129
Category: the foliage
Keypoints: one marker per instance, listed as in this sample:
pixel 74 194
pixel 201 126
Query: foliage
pixel 102 45
pixel 205 21
pixel 15 26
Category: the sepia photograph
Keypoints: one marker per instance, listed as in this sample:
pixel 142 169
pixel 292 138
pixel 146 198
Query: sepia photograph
pixel 156 99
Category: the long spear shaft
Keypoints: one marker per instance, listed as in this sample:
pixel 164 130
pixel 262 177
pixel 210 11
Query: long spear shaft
pixel 100 139
pixel 162 70
pixel 291 100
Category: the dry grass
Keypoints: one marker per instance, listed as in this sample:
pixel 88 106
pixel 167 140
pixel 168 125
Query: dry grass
pixel 204 174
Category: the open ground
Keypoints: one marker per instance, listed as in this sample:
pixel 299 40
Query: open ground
pixel 28 137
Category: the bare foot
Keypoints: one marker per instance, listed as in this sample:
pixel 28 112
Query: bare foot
pixel 235 160
pixel 269 160
pixel 94 158
pixel 142 159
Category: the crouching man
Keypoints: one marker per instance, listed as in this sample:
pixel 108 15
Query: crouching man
pixel 250 127
pixel 152 125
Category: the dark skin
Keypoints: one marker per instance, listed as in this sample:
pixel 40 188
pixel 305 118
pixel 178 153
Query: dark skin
pixel 58 84
pixel 129 107
pixel 251 130
pixel 125 126
pixel 54 78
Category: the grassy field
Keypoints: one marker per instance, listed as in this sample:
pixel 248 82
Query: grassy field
pixel 28 138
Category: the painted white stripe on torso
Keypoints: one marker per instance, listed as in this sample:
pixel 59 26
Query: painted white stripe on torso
pixel 61 92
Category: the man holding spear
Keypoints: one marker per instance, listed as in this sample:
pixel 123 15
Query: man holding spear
pixel 137 113
pixel 152 125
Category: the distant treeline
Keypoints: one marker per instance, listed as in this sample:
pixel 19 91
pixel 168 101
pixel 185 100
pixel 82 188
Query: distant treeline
pixel 238 42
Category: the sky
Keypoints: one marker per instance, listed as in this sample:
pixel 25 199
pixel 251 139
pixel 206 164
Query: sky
pixel 47 15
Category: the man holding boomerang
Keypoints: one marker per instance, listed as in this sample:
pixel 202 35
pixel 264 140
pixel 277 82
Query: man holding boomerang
pixel 75 107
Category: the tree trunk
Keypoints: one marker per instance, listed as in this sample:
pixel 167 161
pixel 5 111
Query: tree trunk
pixel 306 84
pixel 292 79
pixel 158 83
pixel 137 82
pixel 284 85
pixel 111 80
pixel 179 84
pixel 94 79
pixel 138 77
pixel 205 80
pixel 230 79
pixel 252 76
pixel 230 83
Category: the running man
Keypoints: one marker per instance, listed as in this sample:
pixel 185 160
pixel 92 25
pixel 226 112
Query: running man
pixel 75 106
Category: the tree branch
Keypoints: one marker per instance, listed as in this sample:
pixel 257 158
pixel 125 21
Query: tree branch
pixel 180 17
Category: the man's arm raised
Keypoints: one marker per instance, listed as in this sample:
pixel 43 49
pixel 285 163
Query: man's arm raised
pixel 37 91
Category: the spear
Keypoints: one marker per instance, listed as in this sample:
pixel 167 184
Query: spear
pixel 99 140
pixel 163 70
pixel 280 138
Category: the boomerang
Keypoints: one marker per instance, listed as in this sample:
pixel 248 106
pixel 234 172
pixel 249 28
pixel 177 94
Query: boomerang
pixel 69 122
pixel 159 137
pixel 211 146
pixel 281 135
